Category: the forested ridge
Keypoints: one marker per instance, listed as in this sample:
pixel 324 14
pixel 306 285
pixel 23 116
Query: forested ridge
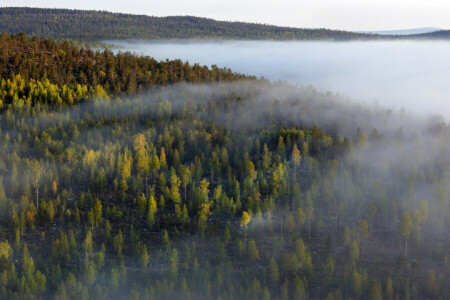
pixel 126 178
pixel 82 25
pixel 39 70
pixel 100 25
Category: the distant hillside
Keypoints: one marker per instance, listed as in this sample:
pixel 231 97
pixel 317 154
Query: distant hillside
pixel 441 34
pixel 405 31
pixel 95 25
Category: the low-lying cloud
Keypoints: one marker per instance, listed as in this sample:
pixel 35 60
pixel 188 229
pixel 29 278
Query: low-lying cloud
pixel 409 74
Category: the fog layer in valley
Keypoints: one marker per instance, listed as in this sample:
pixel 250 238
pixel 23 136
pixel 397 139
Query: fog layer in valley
pixel 414 75
pixel 400 168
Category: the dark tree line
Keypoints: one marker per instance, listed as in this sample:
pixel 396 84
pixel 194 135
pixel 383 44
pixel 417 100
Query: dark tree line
pixel 95 25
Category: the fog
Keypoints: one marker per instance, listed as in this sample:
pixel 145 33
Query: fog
pixel 414 75
pixel 407 161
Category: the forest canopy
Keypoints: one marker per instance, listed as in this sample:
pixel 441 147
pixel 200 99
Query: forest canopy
pixel 126 178
pixel 100 25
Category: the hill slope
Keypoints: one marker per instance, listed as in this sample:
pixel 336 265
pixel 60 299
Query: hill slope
pixel 422 30
pixel 441 34
pixel 78 24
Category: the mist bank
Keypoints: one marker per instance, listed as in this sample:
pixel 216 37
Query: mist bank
pixel 382 142
pixel 409 74
pixel 248 105
pixel 320 176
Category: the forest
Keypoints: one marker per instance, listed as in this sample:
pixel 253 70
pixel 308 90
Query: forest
pixel 81 25
pixel 102 25
pixel 122 177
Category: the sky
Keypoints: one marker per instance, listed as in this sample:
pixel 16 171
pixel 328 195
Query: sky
pixel 333 14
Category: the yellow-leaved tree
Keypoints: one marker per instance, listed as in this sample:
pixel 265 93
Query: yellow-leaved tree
pixel 245 219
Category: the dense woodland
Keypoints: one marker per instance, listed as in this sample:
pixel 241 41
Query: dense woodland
pixel 69 74
pixel 120 179
pixel 437 35
pixel 98 25
pixel 101 25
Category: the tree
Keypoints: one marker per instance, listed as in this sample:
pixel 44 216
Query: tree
pixel 185 178
pixel 432 286
pixel 125 172
pixel 162 158
pixel 217 194
pixel 174 189
pixel 88 244
pixel 143 255
pixel 266 159
pixel 27 263
pixel 166 239
pixel 290 223
pixel 245 219
pixel 54 188
pixel 155 165
pixel 356 282
pixel 5 251
pixel 299 289
pixel 226 235
pixel 419 216
pixel 97 212
pixel 281 148
pixel 295 157
pixel 300 218
pixel 152 207
pixel 36 170
pixel 184 216
pixel 90 274
pixel 273 271
pixel 203 189
pixel 251 174
pixel 266 294
pixel 275 182
pixel 173 263
pixel 141 202
pixel 329 267
pixel 290 264
pixel 253 252
pixel 118 243
pixel 406 229
pixel 100 258
pixel 203 215
pixel 364 232
pixel 142 157
pixel 375 290
pixel 353 253
pixel 389 289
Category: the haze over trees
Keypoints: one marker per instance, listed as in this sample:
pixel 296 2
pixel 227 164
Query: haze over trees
pixel 160 180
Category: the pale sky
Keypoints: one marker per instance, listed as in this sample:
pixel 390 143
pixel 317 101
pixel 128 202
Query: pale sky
pixel 334 14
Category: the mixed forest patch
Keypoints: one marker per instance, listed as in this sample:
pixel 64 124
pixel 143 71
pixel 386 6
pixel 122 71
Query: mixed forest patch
pixel 124 177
